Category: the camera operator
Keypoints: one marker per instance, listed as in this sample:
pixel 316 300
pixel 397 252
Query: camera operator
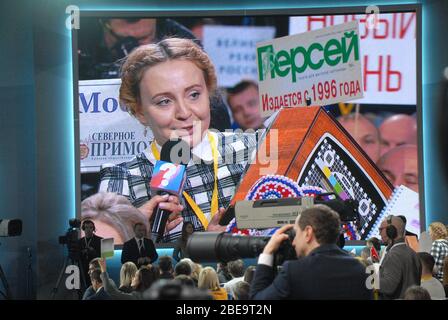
pixel 322 271
pixel 90 247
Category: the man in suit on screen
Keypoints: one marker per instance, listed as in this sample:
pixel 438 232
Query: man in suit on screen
pixel 138 247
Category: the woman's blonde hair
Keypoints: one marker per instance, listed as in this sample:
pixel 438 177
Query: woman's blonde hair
pixel 438 230
pixel 147 56
pixel 127 273
pixel 208 279
pixel 196 271
pixel 115 210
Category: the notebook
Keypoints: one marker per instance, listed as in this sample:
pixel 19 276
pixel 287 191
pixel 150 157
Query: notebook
pixel 404 202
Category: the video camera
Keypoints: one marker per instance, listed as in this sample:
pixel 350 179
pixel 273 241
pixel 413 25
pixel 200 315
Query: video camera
pixel 71 239
pixel 224 247
pixel 93 69
pixel 10 228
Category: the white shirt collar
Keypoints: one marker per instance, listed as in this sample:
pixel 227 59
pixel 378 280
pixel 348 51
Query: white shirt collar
pixel 137 239
pixel 202 150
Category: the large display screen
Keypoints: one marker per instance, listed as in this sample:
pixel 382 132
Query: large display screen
pixel 123 121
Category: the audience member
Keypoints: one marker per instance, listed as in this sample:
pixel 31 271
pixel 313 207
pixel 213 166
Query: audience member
pixel 97 285
pixel 143 262
pixel 374 244
pixel 323 271
pixel 434 286
pixel 445 276
pixel 241 291
pixel 141 283
pixel 185 280
pixel 93 265
pixel 236 269
pixel 223 272
pixel 166 268
pixel 416 293
pixel 365 258
pixel 182 267
pixel 127 273
pixel 249 274
pixel 400 267
pixel 208 279
pixel 195 272
pixel 439 248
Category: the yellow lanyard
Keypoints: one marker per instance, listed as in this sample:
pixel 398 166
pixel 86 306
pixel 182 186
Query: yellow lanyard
pixel 193 205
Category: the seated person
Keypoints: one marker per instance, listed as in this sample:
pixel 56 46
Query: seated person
pixel 97 285
pixel 208 280
pixel 416 293
pixel 166 268
pixel 182 268
pixel 241 291
pixel 127 273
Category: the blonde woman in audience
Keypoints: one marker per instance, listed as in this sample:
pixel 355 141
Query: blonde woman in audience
pixel 439 249
pixel 196 271
pixel 127 273
pixel 208 279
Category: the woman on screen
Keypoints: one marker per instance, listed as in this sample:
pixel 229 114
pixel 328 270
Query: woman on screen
pixel 168 86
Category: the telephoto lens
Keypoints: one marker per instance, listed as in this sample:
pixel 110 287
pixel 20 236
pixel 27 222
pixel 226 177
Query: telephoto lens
pixel 223 247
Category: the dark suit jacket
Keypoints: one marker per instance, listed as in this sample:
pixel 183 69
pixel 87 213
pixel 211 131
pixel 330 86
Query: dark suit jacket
pixel 326 273
pixel 131 253
pixel 87 255
pixel 399 270
pixel 101 294
pixel 94 252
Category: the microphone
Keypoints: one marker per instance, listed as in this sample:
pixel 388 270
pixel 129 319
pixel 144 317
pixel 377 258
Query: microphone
pixel 168 177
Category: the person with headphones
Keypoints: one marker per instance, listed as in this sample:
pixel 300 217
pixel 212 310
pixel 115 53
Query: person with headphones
pixel 400 267
pixel 90 247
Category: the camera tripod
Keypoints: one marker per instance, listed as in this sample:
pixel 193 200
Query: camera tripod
pixel 7 293
pixel 74 261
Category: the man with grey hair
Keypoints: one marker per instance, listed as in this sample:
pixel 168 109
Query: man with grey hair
pixel 323 270
pixel 400 266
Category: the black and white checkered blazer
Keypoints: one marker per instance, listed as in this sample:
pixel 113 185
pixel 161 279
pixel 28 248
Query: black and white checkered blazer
pixel 132 179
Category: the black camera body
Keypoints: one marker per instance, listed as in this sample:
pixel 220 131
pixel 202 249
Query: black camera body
pixel 71 239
